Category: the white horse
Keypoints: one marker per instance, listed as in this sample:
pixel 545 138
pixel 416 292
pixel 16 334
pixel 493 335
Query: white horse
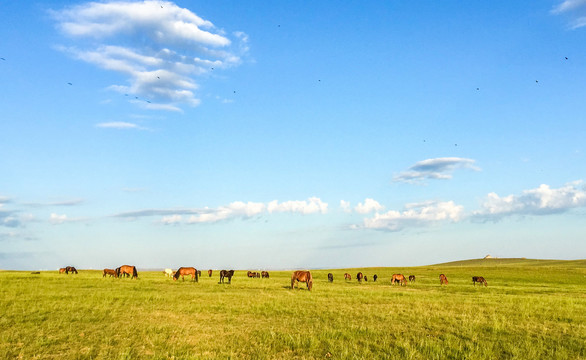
pixel 169 272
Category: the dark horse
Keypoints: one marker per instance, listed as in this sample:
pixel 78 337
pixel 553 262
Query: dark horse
pixel 398 279
pixel 359 277
pixel 478 279
pixel 411 278
pixel 182 271
pixel 443 280
pixel 110 272
pixel 347 276
pixel 253 274
pixel 375 277
pixel 127 270
pixel 226 274
pixel 302 276
pixel 265 274
pixel 210 272
pixel 330 277
pixel 70 269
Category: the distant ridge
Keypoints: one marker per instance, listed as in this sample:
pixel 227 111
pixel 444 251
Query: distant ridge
pixel 492 261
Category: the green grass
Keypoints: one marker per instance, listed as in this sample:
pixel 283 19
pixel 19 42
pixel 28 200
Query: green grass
pixel 532 309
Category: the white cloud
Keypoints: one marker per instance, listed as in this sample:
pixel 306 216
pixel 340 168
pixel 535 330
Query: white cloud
pixel 540 201
pixel 56 219
pixel 235 209
pixel 369 205
pixel 415 215
pixel 312 205
pixel 575 9
pixel 159 47
pixel 119 125
pixel 172 219
pixel 437 168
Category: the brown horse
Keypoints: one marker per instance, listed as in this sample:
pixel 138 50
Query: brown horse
pixel 443 279
pixel 398 279
pixel 210 272
pixel 359 277
pixel 411 278
pixel 127 270
pixel 265 274
pixel 62 271
pixel 479 279
pixel 375 277
pixel 302 276
pixel 70 269
pixel 226 274
pixel 331 277
pixel 347 276
pixel 110 272
pixel 182 271
pixel 253 274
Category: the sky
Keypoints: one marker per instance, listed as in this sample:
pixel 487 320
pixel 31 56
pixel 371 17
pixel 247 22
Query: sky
pixel 282 135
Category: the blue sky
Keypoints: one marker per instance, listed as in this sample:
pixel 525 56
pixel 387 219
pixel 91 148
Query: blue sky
pixel 273 135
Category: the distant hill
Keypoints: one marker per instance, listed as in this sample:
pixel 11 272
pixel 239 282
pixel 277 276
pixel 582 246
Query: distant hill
pixel 514 262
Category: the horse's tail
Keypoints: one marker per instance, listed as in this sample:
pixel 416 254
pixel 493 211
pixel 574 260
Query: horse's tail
pixel 196 276
pixel 134 272
pixel 309 280
pixel 292 280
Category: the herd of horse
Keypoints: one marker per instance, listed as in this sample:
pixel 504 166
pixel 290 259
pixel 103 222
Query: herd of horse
pixel 303 276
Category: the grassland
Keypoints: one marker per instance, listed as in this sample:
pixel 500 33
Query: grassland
pixel 531 310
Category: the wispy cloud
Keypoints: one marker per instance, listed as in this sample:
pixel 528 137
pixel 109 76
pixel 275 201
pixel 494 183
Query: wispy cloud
pixel 57 219
pixel 368 206
pixel 121 125
pixel 540 201
pixel 158 46
pixel 575 9
pixel 437 168
pixel 71 202
pixel 414 215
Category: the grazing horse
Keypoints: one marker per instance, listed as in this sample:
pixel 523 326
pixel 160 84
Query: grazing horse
pixel 182 271
pixel 127 270
pixel 398 279
pixel 375 277
pixel 226 274
pixel 411 278
pixel 210 272
pixel 265 274
pixel 347 276
pixel 331 277
pixel 443 279
pixel 168 272
pixel 359 277
pixel 110 272
pixel 365 279
pixel 70 269
pixel 251 274
pixel 62 271
pixel 302 276
pixel 478 279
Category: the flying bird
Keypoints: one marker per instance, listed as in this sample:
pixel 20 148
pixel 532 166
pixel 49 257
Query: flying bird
pixel 566 58
pixel 69 83
pixel 3 59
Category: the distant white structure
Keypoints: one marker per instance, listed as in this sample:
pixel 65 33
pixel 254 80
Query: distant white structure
pixel 488 257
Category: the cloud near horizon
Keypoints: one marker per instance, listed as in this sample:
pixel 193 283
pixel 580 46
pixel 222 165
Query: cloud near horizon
pixel 539 201
pixel 437 168
pixel 158 46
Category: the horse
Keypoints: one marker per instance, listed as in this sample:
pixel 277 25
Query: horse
pixel 398 279
pixel 359 277
pixel 375 277
pixel 127 270
pixel 347 276
pixel 265 274
pixel 302 276
pixel 411 278
pixel 62 271
pixel 168 272
pixel 479 279
pixel 70 269
pixel 182 271
pixel 226 274
pixel 251 274
pixel 110 272
pixel 330 277
pixel 210 272
pixel 443 279
pixel 365 279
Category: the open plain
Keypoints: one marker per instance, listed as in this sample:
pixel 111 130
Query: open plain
pixel 531 309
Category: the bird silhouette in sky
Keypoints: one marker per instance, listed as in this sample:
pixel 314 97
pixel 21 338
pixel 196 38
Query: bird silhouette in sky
pixel 69 84
pixel 3 59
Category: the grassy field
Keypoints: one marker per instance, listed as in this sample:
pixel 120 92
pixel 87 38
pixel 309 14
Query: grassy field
pixel 531 309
